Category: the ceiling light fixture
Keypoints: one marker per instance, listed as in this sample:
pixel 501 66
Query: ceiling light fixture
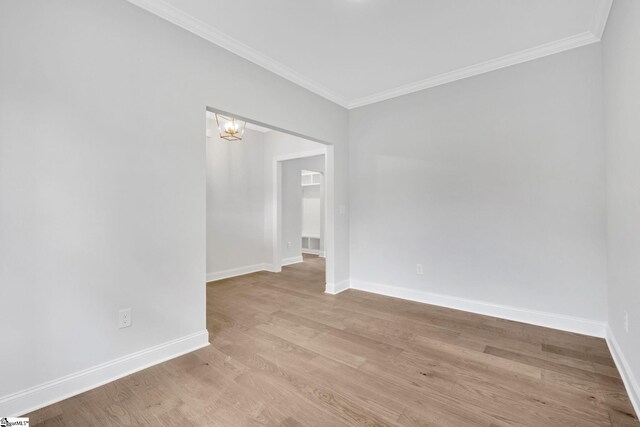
pixel 230 128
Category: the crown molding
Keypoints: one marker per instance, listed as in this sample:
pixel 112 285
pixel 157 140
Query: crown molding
pixel 537 52
pixel 207 32
pixel 594 35
pixel 199 28
pixel 600 17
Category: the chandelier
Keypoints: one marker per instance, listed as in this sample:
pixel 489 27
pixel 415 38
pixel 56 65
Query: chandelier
pixel 230 128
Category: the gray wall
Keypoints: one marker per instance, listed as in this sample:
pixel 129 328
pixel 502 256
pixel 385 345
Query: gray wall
pixel 103 177
pixel 495 183
pixel 239 197
pixel 622 89
pixel 235 202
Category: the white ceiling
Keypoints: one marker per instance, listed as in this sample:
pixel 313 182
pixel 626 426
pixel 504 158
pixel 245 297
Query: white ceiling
pixel 356 52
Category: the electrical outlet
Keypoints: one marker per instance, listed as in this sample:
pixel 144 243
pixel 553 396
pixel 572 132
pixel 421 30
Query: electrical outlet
pixel 419 269
pixel 626 322
pixel 289 244
pixel 124 318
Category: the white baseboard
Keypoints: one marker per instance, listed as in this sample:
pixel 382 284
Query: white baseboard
pixel 233 272
pixel 318 252
pixel 292 260
pixel 29 400
pixel 518 314
pixel 241 271
pixel 630 381
pixel 336 288
pixel 270 268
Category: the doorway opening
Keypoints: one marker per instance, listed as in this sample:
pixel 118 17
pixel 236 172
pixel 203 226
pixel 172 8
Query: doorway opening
pixel 312 238
pixel 262 214
pixel 302 204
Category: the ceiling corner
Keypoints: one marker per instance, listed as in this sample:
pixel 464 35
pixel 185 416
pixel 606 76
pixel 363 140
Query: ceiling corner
pixel 592 33
pixel 170 13
pixel 536 52
pixel 600 17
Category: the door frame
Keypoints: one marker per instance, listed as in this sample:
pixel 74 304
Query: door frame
pixel 276 198
pixel 329 219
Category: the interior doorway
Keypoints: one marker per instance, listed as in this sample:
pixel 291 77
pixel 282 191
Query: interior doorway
pixel 297 237
pixel 248 223
pixel 312 238
pixel 302 209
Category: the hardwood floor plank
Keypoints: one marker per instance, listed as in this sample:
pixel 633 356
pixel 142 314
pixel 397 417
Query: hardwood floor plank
pixel 554 366
pixel 284 353
pixel 580 355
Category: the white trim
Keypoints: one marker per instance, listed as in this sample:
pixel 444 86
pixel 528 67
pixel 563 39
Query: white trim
pixel 300 155
pixel 329 244
pixel 518 314
pixel 207 32
pixel 174 15
pixel 336 288
pixel 34 398
pixel 293 260
pixel 600 17
pixel 313 252
pixel 270 268
pixel 630 382
pixel 530 54
pixel 240 271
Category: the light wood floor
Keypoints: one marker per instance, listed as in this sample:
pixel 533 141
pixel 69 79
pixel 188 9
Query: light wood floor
pixel 283 353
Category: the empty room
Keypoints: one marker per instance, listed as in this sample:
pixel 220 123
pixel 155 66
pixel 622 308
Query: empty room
pixel 320 213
